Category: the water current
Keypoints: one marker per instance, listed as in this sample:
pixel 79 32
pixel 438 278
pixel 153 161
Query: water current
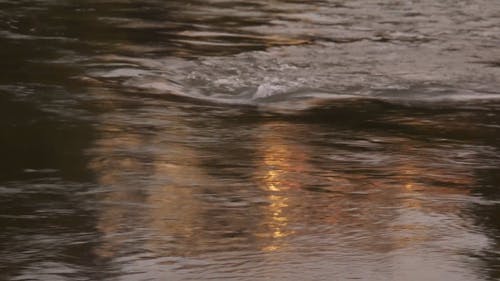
pixel 250 140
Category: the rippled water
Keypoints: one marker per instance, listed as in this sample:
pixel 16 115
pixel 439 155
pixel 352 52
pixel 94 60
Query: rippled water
pixel 250 140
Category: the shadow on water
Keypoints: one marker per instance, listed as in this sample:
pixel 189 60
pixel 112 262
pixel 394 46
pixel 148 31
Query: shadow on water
pixel 46 230
pixel 35 143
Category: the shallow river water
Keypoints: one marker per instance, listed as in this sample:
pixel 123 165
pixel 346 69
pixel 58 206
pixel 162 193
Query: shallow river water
pixel 249 140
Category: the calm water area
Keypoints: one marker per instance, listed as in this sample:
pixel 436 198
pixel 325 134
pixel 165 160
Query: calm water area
pixel 250 140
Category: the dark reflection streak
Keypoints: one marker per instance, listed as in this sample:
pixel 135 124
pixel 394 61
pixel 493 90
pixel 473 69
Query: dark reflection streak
pixel 487 217
pixel 34 140
pixel 43 167
pixel 408 121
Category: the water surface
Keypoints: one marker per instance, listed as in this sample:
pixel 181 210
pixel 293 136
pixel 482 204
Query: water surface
pixel 249 140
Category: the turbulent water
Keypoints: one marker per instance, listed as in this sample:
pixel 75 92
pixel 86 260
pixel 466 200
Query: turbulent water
pixel 250 140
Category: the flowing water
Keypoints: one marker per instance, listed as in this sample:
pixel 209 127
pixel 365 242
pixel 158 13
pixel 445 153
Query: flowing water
pixel 249 140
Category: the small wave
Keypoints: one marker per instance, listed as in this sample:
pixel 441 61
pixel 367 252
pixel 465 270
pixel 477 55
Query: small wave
pixel 291 96
pixel 302 76
pixel 283 94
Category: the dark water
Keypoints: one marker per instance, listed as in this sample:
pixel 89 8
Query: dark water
pixel 249 140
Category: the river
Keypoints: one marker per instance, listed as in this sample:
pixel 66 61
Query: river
pixel 250 140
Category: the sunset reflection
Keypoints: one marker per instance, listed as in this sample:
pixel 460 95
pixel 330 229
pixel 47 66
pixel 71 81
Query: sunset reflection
pixel 283 163
pixel 187 210
pixel 282 170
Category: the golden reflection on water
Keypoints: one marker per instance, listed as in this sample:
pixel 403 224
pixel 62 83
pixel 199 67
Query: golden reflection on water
pixel 283 163
pixel 167 210
pixel 282 169
pixel 165 200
